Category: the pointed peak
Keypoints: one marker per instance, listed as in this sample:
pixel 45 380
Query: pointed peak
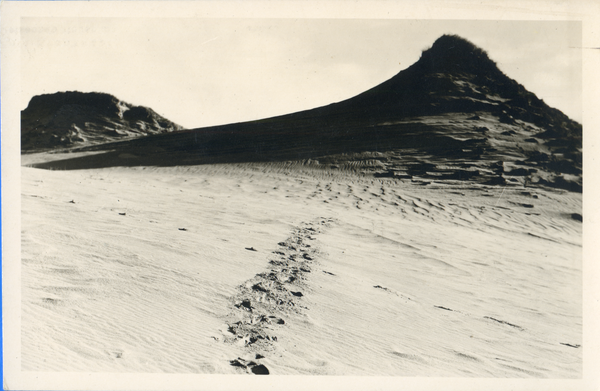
pixel 451 53
pixel 454 43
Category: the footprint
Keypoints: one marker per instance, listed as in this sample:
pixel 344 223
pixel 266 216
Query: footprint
pixel 258 287
pixel 381 287
pixel 246 304
pixel 569 345
pixel 408 356
pixel 238 363
pixel 466 356
pixel 504 322
pixel 259 370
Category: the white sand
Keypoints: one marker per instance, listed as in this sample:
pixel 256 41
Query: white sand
pixel 405 280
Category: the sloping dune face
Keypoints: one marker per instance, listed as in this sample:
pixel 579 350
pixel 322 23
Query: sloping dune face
pixel 287 269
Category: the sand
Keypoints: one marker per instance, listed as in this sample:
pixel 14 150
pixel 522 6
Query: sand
pixel 242 268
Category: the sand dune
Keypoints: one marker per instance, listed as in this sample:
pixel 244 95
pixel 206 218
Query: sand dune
pixel 328 272
pixel 430 226
pixel 67 119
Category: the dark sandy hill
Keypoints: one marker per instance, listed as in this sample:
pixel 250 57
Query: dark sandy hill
pixel 451 116
pixel 68 119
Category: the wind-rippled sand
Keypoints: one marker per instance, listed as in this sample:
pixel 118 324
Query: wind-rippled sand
pixel 246 268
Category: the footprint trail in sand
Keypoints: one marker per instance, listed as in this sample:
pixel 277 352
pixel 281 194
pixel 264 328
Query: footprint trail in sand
pixel 264 302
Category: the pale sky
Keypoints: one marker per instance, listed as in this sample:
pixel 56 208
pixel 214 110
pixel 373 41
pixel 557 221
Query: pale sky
pixel 202 72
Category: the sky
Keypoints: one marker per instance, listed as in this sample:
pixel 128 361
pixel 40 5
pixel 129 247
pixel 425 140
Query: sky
pixel 202 72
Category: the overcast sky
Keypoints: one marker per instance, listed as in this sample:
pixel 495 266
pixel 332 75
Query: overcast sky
pixel 202 72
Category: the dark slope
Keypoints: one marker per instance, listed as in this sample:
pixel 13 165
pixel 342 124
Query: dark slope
pixel 67 119
pixel 453 115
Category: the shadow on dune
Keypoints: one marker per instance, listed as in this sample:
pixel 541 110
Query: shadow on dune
pixel 260 142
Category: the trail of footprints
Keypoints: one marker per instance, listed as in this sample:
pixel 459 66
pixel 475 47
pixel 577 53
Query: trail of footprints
pixel 264 302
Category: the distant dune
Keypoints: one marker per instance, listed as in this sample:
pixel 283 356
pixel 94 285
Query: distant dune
pixel 69 119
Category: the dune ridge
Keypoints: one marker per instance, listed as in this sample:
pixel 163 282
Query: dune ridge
pixel 453 115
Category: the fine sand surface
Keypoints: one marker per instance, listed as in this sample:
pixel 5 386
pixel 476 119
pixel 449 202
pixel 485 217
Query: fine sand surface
pixel 290 269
